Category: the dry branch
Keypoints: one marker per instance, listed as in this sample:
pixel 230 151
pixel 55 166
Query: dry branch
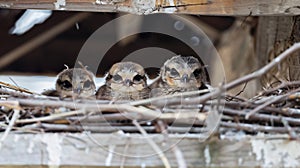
pixel 15 87
pixel 10 126
pixel 276 99
pixel 143 112
pixel 262 117
pixel 257 128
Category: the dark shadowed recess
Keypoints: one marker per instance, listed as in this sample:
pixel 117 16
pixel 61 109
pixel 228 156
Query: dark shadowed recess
pixel 50 57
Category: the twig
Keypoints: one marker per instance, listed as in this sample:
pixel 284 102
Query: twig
pixel 294 96
pixel 15 94
pixel 11 104
pixel 231 97
pixel 108 128
pixel 79 128
pixel 241 91
pixel 146 113
pixel 178 117
pixel 15 87
pixel 51 117
pixel 261 117
pixel 291 132
pixel 280 97
pixel 19 129
pixel 89 106
pixel 267 109
pixel 10 126
pixel 283 85
pixel 153 145
pixel 256 128
pixel 104 117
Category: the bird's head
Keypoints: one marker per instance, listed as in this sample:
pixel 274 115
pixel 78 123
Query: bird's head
pixel 77 82
pixel 126 77
pixel 182 72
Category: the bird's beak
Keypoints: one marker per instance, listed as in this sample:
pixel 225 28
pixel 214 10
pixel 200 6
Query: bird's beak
pixel 77 90
pixel 127 82
pixel 185 78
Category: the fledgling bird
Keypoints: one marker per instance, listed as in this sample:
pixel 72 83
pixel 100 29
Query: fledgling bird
pixel 124 81
pixel 179 74
pixel 75 82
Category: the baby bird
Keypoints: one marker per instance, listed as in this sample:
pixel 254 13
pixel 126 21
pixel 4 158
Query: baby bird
pixel 124 81
pixel 179 74
pixel 75 82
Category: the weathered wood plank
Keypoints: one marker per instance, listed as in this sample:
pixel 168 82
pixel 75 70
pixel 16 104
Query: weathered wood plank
pixel 131 150
pixel 274 35
pixel 203 7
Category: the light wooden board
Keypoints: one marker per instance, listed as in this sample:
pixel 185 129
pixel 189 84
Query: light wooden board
pixel 118 149
pixel 203 7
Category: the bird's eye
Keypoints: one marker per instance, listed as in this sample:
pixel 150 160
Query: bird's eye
pixel 138 78
pixel 66 84
pixel 197 73
pixel 117 78
pixel 87 84
pixel 174 72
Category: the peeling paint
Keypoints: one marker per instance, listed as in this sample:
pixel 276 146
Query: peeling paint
pixel 110 155
pixel 98 2
pixel 53 143
pixel 240 161
pixel 87 150
pixel 59 4
pixel 106 2
pixel 5 6
pixel 171 10
pixel 257 147
pixel 30 147
pixel 143 6
pixel 276 152
pixel 207 155
pixel 16 138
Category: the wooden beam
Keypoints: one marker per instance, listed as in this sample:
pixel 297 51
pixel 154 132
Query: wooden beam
pixel 202 7
pixel 117 150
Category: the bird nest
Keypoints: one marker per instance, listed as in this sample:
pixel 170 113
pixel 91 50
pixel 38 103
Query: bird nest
pixel 275 110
